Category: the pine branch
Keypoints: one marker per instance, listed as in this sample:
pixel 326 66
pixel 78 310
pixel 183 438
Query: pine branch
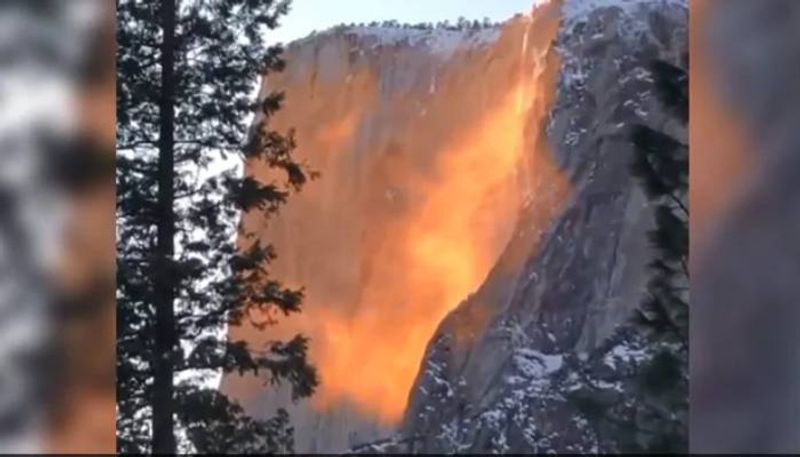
pixel 680 204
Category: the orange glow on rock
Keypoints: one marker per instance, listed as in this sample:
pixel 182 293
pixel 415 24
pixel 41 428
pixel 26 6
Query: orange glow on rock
pixel 418 196
pixel 445 251
pixel 720 161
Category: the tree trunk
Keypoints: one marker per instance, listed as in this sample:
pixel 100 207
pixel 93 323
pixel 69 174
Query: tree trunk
pixel 165 337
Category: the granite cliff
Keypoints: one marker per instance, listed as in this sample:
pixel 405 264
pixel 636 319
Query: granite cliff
pixel 475 242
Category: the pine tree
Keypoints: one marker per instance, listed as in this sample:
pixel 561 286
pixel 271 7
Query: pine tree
pixel 662 166
pixel 186 268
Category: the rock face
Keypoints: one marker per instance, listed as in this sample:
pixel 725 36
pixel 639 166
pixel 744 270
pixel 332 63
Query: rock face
pixel 486 167
pixel 556 320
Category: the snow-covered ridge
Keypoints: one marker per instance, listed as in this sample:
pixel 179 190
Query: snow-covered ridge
pixel 575 11
pixel 631 23
pixel 444 39
pixel 441 41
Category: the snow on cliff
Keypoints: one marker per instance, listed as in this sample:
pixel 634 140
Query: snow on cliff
pixel 440 41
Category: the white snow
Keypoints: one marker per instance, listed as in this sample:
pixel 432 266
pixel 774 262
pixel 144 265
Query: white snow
pixel 576 10
pixel 439 41
pixel 535 364
pixel 625 354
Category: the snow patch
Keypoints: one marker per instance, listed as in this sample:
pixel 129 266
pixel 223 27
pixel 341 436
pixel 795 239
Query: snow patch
pixel 535 364
pixel 625 354
pixel 441 42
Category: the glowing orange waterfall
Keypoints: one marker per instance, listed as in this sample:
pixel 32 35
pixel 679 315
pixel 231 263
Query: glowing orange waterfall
pixel 418 196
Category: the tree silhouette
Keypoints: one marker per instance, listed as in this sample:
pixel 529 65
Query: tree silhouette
pixel 187 268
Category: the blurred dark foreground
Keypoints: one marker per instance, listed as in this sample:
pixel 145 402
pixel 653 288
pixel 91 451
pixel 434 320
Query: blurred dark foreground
pixel 745 186
pixel 57 319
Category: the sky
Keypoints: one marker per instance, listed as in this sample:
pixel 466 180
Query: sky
pixel 309 15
